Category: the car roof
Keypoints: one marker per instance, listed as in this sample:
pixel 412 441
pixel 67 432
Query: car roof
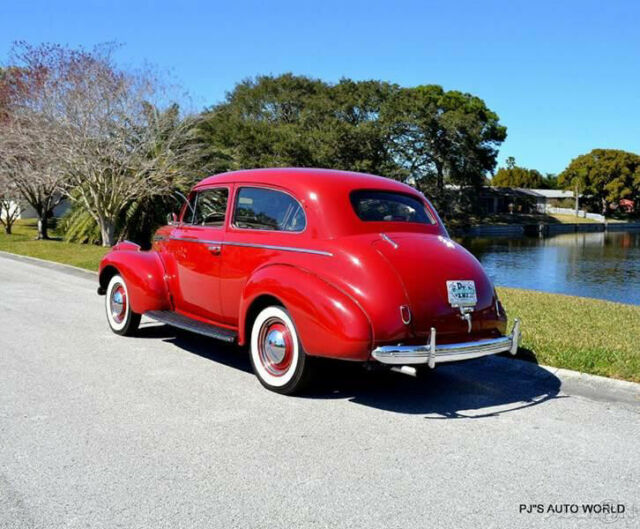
pixel 302 181
pixel 324 194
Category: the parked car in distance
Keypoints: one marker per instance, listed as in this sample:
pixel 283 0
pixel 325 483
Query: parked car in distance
pixel 303 263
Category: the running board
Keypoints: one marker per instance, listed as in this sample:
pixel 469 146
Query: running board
pixel 189 324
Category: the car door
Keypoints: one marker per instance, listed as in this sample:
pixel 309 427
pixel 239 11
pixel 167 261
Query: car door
pixel 267 224
pixel 196 247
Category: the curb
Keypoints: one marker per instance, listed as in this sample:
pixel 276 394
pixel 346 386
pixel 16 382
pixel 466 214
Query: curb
pixel 576 383
pixel 52 265
pixel 593 387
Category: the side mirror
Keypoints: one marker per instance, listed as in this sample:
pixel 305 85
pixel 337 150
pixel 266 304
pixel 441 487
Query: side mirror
pixel 172 218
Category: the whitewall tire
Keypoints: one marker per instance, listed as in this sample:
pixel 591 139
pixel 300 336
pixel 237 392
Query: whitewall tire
pixel 278 359
pixel 121 318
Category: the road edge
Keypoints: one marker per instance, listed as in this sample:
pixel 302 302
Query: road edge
pixel 593 387
pixel 51 265
pixel 596 387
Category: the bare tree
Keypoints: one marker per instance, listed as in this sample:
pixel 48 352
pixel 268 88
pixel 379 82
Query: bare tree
pixel 105 143
pixel 26 140
pixel 10 207
pixel 27 163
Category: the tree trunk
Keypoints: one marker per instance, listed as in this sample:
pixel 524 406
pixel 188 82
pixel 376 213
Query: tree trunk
pixel 107 231
pixel 7 228
pixel 439 178
pixel 605 208
pixel 43 231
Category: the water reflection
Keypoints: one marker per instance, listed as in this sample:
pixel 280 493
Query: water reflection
pixel 598 265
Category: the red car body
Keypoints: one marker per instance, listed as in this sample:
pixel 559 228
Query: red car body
pixel 352 287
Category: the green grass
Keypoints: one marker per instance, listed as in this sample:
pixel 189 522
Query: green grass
pixel 589 335
pixel 458 222
pixel 22 241
pixel 583 334
pixel 572 219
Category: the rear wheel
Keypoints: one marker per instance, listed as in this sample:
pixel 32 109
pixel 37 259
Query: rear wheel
pixel 121 318
pixel 277 356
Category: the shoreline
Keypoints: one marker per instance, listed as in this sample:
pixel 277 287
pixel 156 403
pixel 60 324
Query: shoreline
pixel 541 228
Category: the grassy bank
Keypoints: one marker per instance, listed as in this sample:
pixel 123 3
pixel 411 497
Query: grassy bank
pixel 589 335
pixel 572 219
pixel 504 219
pixel 22 242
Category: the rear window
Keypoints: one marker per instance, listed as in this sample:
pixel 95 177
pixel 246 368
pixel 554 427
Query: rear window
pixel 385 206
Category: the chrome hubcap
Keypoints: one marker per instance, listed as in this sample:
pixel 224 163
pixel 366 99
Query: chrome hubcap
pixel 275 347
pixel 118 303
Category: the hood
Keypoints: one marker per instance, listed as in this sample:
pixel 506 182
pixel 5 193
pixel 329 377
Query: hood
pixel 423 264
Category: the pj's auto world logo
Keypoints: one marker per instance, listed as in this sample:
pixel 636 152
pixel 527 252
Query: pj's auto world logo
pixel 607 511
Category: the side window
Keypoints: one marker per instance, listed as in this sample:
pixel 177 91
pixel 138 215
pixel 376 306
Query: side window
pixel 266 209
pixel 210 207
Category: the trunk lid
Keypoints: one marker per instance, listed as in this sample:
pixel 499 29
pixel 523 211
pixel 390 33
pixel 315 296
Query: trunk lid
pixel 424 263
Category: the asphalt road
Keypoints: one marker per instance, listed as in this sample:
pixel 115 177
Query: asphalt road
pixel 170 430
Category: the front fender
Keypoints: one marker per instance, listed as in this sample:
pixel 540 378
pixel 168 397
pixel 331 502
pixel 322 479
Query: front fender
pixel 329 322
pixel 143 273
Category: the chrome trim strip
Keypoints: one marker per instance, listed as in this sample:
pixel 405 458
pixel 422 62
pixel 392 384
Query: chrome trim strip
pixel 193 239
pixel 283 248
pixel 433 354
pixel 389 240
pixel 254 245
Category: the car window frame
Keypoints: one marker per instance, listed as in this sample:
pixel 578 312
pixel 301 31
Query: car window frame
pixel 197 192
pixel 236 193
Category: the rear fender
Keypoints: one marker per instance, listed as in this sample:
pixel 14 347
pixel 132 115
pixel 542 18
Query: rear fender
pixel 329 322
pixel 143 273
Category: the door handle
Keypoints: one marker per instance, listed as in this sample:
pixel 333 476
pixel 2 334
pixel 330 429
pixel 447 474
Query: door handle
pixel 215 249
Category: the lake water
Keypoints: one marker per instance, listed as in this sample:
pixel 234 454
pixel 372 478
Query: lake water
pixel 597 265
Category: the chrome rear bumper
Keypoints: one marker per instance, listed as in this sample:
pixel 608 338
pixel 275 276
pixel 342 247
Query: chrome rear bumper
pixel 433 354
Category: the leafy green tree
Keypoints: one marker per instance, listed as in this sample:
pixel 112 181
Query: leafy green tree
pixel 302 122
pixel 443 137
pixel 515 176
pixel 356 137
pixel 268 121
pixel 606 175
pixel 423 135
pixel 549 181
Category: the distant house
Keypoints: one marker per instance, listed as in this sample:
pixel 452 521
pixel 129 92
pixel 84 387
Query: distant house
pixel 552 198
pixel 27 212
pixel 521 200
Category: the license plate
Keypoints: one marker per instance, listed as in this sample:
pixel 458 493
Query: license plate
pixel 462 293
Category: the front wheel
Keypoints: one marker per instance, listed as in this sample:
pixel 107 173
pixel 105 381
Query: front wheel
pixel 277 356
pixel 121 318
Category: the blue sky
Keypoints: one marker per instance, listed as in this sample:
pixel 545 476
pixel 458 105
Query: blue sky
pixel 564 77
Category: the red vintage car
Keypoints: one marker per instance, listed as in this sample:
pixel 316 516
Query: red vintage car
pixel 303 263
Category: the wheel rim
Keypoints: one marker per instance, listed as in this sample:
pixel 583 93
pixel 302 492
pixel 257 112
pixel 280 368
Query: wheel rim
pixel 275 347
pixel 118 303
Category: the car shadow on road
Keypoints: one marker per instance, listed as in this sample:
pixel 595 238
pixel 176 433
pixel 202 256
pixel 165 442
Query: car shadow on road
pixel 209 348
pixel 482 388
